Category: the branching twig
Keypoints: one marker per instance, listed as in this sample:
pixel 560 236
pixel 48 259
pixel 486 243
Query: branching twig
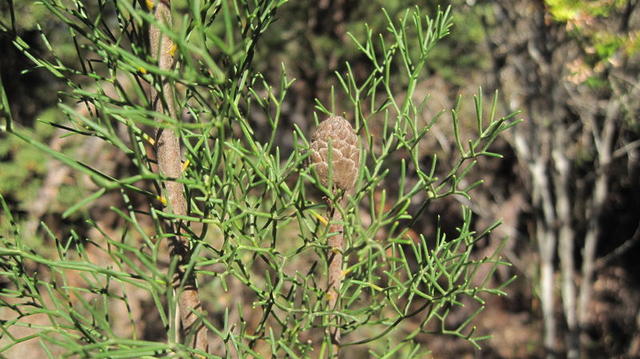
pixel 602 262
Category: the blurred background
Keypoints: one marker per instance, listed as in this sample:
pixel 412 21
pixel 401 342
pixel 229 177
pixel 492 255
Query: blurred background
pixel 567 190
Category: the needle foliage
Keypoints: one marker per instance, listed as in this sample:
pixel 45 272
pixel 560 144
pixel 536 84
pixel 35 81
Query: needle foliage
pixel 257 221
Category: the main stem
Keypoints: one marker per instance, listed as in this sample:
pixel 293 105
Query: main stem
pixel 170 165
pixel 334 280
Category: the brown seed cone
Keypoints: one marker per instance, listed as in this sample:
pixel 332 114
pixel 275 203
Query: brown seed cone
pixel 345 156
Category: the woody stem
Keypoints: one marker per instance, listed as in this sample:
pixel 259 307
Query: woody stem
pixel 336 247
pixel 170 165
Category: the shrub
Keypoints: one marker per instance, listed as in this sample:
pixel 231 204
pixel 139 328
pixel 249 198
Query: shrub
pixel 226 236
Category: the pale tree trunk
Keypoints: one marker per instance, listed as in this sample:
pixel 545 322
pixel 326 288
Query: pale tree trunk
pixel 604 141
pixel 546 244
pixel 566 237
pixel 546 239
pixel 536 160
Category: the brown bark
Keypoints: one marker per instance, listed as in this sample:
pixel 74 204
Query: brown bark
pixel 334 277
pixel 170 165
